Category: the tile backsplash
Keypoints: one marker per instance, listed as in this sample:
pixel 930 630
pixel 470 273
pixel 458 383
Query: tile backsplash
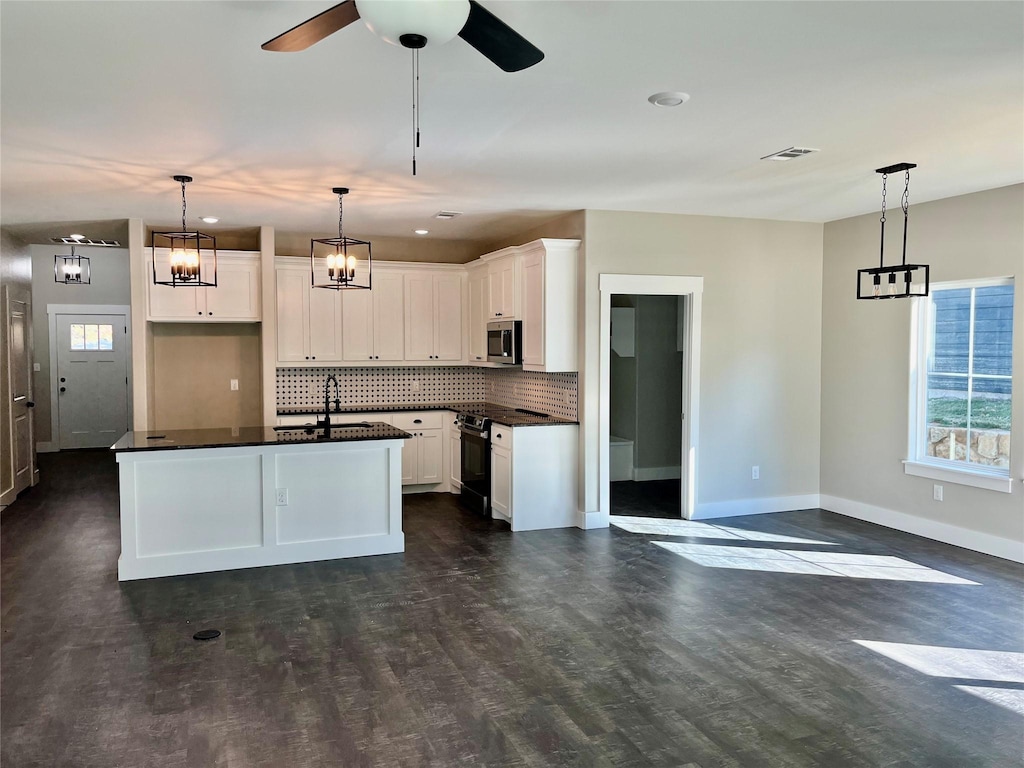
pixel 553 393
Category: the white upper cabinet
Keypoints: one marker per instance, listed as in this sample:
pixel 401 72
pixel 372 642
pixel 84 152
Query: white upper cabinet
pixel 503 288
pixel 433 316
pixel 308 319
pixel 549 289
pixel 235 298
pixel 478 314
pixel 371 321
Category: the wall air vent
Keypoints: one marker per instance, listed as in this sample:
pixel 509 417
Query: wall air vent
pixel 447 214
pixel 85 241
pixel 789 154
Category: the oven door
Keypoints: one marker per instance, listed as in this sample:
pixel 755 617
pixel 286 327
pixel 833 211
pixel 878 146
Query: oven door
pixel 476 470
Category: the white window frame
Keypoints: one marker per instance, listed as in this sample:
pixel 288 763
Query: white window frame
pixel 918 462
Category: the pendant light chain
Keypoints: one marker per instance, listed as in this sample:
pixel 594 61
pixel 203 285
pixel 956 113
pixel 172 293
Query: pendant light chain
pixel 881 246
pixel 906 218
pixel 415 105
pixel 183 207
pixel 341 216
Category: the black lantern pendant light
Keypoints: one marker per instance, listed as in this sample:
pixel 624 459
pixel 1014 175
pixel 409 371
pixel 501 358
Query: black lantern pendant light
pixel 902 280
pixel 72 270
pixel 193 255
pixel 338 262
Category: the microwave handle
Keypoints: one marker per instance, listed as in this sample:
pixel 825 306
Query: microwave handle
pixel 506 344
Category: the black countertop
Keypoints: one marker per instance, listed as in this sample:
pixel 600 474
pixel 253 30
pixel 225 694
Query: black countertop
pixel 237 437
pixel 502 414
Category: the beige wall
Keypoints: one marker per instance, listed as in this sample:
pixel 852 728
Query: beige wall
pixel 428 249
pixel 192 368
pixel 761 344
pixel 569 226
pixel 111 284
pixel 866 355
pixel 16 282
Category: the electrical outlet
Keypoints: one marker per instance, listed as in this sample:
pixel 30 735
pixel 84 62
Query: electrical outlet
pixel 234 385
pixel 755 472
pixel 414 386
pixel 937 492
pixel 36 367
pixel 282 497
pixel 568 397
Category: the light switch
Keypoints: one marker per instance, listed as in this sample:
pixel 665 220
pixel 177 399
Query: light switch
pixel 234 385
pixel 36 367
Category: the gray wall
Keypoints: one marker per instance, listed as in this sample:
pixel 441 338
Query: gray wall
pixel 761 354
pixel 111 284
pixel 866 353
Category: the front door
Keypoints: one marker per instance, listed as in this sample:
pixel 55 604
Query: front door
pixel 92 380
pixel 19 320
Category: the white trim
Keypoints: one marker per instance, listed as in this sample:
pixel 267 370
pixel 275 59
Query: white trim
pixel 692 289
pixel 589 520
pixel 986 543
pixel 978 478
pixel 47 447
pixel 763 506
pixel 642 474
pixel 52 311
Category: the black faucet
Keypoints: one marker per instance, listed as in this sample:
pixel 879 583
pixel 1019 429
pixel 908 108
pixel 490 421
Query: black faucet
pixel 326 423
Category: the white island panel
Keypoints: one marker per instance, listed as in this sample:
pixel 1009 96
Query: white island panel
pixel 197 506
pixel 332 495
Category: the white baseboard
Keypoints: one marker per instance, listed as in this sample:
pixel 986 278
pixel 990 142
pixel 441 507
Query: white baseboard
pixel 47 447
pixel 656 473
pixel 738 507
pixel 986 543
pixel 589 520
pixel 6 499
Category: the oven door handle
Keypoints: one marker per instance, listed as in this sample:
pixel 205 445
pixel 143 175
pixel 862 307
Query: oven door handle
pixel 482 434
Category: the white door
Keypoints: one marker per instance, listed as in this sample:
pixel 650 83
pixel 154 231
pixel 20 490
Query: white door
pixel 410 460
pixel 92 380
pixel 431 456
pixel 455 456
pixel 237 294
pixel 478 316
pixel 324 324
pixel 419 317
pixel 501 480
pixel 389 317
pixel 19 324
pixel 448 317
pixel 357 323
pixel 292 315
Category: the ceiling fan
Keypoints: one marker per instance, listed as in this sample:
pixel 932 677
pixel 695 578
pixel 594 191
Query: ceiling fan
pixel 414 23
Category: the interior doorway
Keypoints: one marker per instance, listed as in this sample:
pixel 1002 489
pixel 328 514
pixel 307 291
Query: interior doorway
pixel 19 350
pixel 90 378
pixel 646 405
pixel 668 307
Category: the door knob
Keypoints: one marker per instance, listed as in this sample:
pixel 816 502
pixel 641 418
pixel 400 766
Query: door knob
pixel 62 379
pixel 30 404
pixel 63 389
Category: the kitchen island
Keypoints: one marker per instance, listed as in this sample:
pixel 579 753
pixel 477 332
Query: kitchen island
pixel 217 499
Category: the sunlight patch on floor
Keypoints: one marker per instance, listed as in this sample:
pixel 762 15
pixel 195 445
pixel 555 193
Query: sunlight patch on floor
pixel 854 565
pixel 1008 698
pixel 964 663
pixel 671 527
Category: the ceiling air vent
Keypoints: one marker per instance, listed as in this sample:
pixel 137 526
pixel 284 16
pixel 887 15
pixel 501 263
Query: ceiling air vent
pixel 789 154
pixel 447 214
pixel 85 241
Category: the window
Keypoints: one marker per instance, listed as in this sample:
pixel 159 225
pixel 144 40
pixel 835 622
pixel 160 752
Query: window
pixel 961 378
pixel 87 336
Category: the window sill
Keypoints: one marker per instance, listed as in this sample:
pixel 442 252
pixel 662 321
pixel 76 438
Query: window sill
pixel 977 478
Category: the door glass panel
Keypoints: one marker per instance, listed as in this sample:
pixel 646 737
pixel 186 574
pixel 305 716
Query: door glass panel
pixel 92 336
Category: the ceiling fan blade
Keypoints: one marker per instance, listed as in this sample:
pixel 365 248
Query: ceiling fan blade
pixel 498 41
pixel 314 30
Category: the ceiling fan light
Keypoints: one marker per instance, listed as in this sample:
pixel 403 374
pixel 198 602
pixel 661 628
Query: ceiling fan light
pixel 437 20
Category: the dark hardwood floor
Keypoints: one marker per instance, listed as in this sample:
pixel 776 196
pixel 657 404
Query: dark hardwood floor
pixel 479 647
pixel 650 498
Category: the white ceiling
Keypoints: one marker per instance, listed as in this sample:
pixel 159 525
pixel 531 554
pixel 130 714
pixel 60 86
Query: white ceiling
pixel 103 101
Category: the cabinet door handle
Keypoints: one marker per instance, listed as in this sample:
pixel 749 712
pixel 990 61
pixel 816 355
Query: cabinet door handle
pixel 499 435
pixel 199 313
pixel 417 421
pixel 314 357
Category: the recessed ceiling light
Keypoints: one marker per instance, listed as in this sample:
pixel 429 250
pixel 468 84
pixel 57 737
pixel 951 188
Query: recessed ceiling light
pixel 422 231
pixel 669 98
pixel 210 219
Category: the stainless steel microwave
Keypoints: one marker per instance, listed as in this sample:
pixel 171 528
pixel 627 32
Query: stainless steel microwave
pixel 505 342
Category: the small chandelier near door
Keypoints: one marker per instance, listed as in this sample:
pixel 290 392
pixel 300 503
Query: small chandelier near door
pixel 192 258
pixel 71 270
pixel 902 280
pixel 338 262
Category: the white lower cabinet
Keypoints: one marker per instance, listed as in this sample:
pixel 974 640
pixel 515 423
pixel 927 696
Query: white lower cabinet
pixel 454 454
pixel 533 475
pixel 423 454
